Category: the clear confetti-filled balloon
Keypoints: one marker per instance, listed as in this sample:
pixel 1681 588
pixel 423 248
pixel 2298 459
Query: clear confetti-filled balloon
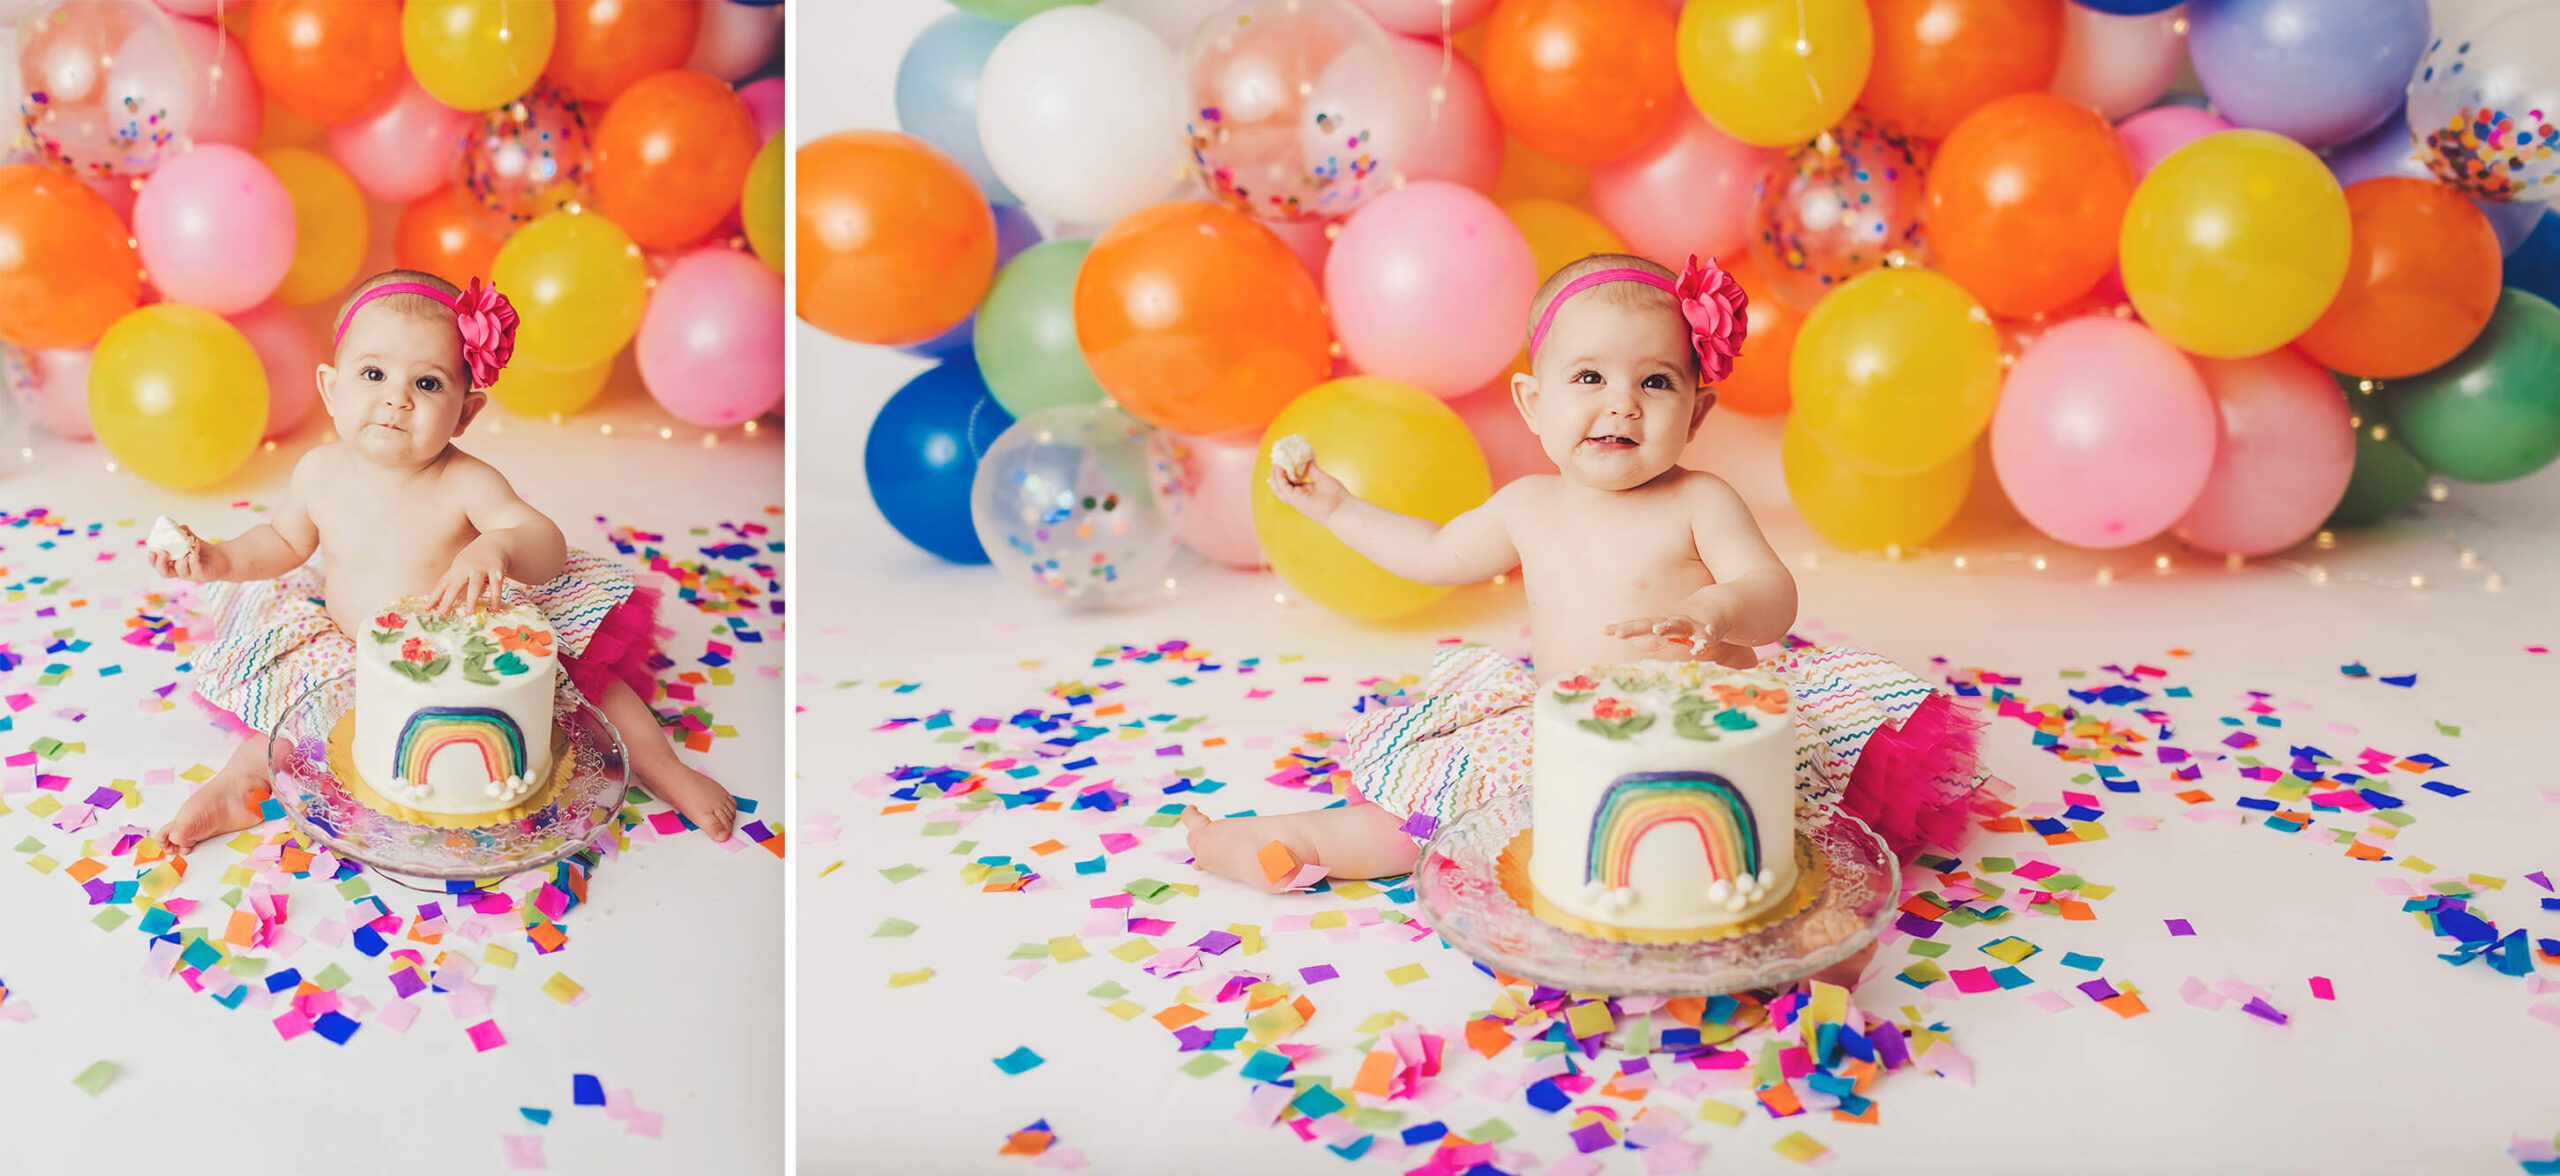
pixel 1848 202
pixel 104 87
pixel 1081 504
pixel 1295 109
pixel 527 158
pixel 2485 107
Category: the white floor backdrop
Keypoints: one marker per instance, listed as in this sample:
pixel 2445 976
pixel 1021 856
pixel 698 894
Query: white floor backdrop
pixel 2415 1066
pixel 678 950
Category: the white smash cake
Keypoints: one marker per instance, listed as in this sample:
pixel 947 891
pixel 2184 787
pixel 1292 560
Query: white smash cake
pixel 1663 796
pixel 452 713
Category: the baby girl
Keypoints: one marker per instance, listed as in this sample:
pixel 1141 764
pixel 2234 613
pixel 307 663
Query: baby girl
pixel 395 511
pixel 1625 556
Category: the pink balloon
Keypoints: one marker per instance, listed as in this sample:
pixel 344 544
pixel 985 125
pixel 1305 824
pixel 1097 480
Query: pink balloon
pixel 1510 449
pixel 764 104
pixel 1218 520
pixel 1424 18
pixel 2150 136
pixel 1429 284
pixel 2286 453
pixel 1307 239
pixel 232 111
pixel 289 349
pixel 59 398
pixel 735 39
pixel 216 229
pixel 1687 191
pixel 404 149
pixel 1456 137
pixel 2104 435
pixel 2116 65
pixel 118 191
pixel 710 345
pixel 196 8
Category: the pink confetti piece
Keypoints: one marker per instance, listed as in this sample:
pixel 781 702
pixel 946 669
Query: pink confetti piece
pixel 2322 990
pixel 524 1153
pixel 486 1036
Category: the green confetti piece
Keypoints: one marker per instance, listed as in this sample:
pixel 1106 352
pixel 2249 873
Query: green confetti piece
pixel 1108 990
pixel 893 929
pixel 93 1081
pixel 901 873
pixel 1204 1065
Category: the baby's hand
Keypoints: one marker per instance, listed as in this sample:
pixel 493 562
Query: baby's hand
pixel 1316 494
pixel 179 554
pixel 475 580
pixel 1686 638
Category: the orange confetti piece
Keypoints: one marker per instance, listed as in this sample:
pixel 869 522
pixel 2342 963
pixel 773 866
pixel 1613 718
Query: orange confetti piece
pixel 1377 1074
pixel 1781 1101
pixel 1487 1037
pixel 1276 860
pixel 1178 1016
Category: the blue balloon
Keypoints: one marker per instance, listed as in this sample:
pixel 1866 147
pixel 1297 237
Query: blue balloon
pixel 2131 7
pixel 2317 71
pixel 2535 265
pixel 938 93
pixel 2388 150
pixel 1015 232
pixel 923 452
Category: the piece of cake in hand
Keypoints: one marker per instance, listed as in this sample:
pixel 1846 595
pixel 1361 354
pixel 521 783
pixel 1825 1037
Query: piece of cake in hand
pixel 1662 797
pixel 452 723
pixel 1291 455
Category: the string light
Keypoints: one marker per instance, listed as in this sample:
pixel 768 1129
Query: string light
pixel 2466 560
pixel 2160 562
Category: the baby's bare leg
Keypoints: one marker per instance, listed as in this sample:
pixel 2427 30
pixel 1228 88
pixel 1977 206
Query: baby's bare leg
pixel 1354 841
pixel 227 803
pixel 700 798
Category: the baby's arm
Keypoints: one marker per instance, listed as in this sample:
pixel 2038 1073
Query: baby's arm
pixel 1753 601
pixel 516 541
pixel 1472 547
pixel 262 552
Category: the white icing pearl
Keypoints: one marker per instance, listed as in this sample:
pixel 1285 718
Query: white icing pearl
pixel 1593 892
pixel 1719 890
pixel 1622 898
pixel 1767 879
pixel 495 786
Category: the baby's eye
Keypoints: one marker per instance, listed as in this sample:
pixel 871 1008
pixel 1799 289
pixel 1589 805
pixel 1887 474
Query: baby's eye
pixel 430 384
pixel 1658 382
pixel 370 373
pixel 1586 376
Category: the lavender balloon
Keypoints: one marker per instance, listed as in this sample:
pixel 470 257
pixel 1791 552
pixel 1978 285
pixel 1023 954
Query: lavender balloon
pixel 2317 71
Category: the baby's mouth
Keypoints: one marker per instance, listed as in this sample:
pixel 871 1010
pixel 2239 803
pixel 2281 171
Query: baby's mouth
pixel 1610 441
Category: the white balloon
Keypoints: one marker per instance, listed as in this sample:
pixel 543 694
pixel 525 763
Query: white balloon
pixel 2119 64
pixel 734 39
pixel 1079 111
pixel 1173 20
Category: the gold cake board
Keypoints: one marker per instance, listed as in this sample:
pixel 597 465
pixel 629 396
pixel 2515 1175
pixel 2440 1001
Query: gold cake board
pixel 342 764
pixel 1511 869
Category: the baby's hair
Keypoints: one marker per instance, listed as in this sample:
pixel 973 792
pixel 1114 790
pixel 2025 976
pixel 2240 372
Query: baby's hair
pixel 1625 294
pixel 413 305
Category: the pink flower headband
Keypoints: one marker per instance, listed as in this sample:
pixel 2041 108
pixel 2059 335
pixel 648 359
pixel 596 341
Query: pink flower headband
pixel 1711 301
pixel 484 316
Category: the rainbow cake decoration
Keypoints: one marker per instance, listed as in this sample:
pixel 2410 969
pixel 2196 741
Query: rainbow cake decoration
pixel 1663 796
pixel 453 713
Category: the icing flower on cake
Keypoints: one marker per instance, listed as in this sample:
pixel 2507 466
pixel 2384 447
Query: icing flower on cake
pixel 1767 702
pixel 1611 708
pixel 525 639
pixel 390 620
pixel 416 651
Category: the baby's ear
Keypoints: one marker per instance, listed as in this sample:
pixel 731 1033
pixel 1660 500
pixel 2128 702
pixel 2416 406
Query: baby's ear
pixel 1524 396
pixel 471 406
pixel 1698 415
pixel 327 379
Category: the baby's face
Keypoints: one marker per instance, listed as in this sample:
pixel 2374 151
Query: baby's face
pixel 399 390
pixel 1615 395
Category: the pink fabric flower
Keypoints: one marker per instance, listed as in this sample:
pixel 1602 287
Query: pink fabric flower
pixel 1718 314
pixel 488 324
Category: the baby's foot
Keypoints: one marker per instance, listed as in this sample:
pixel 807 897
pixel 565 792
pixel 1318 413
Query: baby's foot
pixel 700 798
pixel 227 803
pixel 1241 849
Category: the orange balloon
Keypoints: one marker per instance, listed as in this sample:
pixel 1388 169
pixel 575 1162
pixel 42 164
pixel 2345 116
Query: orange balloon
pixel 603 46
pixel 2422 278
pixel 1199 320
pixel 1758 385
pixel 325 60
pixel 1938 60
pixel 895 244
pixel 1584 81
pixel 67 265
pixel 437 235
pixel 2026 198
pixel 671 156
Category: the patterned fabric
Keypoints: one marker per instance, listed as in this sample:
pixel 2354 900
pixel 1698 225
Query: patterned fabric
pixel 273 640
pixel 1464 737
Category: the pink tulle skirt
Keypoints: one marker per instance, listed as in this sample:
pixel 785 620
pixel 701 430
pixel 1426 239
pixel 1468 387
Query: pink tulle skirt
pixel 624 648
pixel 1918 783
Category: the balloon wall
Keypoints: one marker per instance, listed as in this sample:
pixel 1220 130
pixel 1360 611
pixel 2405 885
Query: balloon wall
pixel 2222 271
pixel 191 190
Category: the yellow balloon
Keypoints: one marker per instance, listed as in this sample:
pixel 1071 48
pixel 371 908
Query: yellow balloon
pixel 477 54
pixel 578 285
pixel 1774 72
pixel 1896 371
pixel 328 222
pixel 1527 175
pixel 760 203
pixel 1867 511
pixel 1560 234
pixel 1390 443
pixel 2235 243
pixel 528 390
pixel 177 395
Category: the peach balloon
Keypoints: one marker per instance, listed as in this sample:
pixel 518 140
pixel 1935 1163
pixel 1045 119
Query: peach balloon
pixel 440 235
pixel 403 149
pixel 1218 521
pixel 1687 190
pixel 1430 286
pixel 323 60
pixel 233 109
pixel 2283 458
pixel 1426 18
pixel 58 400
pixel 1582 80
pixel 1195 318
pixel 1449 131
pixel 289 352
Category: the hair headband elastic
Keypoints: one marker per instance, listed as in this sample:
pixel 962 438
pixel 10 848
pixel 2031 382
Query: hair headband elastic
pixel 1710 300
pixel 485 318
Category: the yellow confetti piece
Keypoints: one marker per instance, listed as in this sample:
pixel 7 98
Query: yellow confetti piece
pixel 1801 1148
pixel 1380 1022
pixel 1067 948
pixel 832 867
pixel 2009 950
pixel 1589 1018
pixel 1720 1113
pixel 498 957
pixel 1406 974
pixel 1134 951
pixel 1251 936
pixel 1124 1009
pixel 1328 920
pixel 905 979
pixel 561 988
pixel 42 864
pixel 2418 866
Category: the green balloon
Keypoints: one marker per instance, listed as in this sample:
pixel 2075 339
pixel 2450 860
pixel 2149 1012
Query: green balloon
pixel 1011 11
pixel 1026 332
pixel 2387 476
pixel 2493 413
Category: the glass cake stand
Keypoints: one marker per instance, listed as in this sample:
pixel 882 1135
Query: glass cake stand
pixel 1468 905
pixel 323 809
